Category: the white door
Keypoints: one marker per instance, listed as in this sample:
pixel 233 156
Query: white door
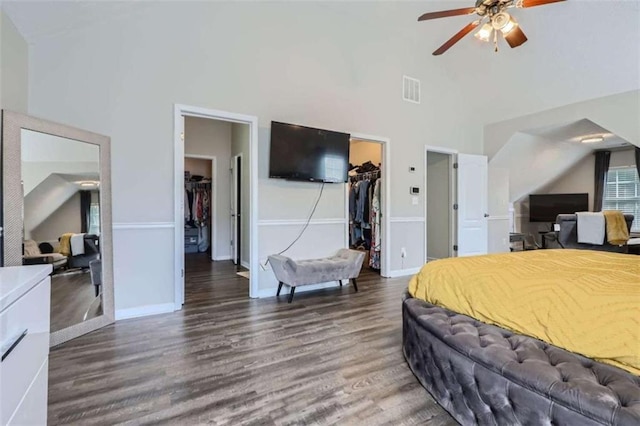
pixel 472 205
pixel 234 209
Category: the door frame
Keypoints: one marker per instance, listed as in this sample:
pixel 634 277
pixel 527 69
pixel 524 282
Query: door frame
pixel 453 156
pixel 385 235
pixel 179 112
pixel 214 201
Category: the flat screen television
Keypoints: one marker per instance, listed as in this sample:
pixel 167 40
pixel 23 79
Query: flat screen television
pixel 546 207
pixel 308 154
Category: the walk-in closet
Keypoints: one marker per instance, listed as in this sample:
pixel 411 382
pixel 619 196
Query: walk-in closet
pixel 197 208
pixel 365 202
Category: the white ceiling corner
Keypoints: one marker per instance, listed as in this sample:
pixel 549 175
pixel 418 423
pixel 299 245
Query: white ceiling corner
pixel 574 131
pixel 42 19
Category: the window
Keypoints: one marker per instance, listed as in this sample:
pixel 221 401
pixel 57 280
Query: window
pixel 94 219
pixel 622 192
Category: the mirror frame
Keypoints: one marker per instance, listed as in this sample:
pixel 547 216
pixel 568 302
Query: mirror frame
pixel 13 203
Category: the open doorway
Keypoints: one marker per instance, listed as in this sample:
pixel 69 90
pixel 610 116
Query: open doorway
pixel 440 201
pixel 215 186
pixel 365 194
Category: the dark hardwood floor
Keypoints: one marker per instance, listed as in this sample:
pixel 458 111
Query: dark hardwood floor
pixel 72 296
pixel 331 357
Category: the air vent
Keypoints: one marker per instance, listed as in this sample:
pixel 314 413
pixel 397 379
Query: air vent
pixel 411 89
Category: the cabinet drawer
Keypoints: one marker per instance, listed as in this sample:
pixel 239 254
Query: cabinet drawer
pixel 20 366
pixel 33 408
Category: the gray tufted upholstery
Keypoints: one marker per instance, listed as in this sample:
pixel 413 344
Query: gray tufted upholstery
pixel 483 374
pixel 568 234
pixel 346 264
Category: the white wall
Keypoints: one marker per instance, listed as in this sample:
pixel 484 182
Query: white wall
pixel 240 144
pixel 67 218
pixel 14 67
pixel 213 138
pixel 362 151
pixel 499 218
pixel 265 60
pixel 198 167
pixel 439 205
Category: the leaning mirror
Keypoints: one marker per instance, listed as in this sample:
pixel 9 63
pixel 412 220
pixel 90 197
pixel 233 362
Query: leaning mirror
pixel 58 181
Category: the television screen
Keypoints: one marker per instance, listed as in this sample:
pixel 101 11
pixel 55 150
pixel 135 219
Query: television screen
pixel 308 154
pixel 546 207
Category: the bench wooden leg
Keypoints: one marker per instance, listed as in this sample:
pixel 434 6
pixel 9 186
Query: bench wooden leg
pixel 340 281
pixel 355 284
pixel 293 290
pixel 279 288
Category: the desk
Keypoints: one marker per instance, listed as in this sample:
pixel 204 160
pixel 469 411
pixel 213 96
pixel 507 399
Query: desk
pixel 550 236
pixel 633 245
pixel 515 237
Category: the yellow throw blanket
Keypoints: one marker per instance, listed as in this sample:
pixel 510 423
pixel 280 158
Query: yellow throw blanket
pixel 65 244
pixel 617 231
pixel 584 301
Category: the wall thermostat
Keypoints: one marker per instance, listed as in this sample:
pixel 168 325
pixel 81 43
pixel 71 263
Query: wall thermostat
pixel 414 190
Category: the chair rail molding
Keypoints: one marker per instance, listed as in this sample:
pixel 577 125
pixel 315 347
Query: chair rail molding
pixel 143 225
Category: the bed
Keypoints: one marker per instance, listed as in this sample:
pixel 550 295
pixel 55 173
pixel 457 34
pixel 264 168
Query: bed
pixel 539 337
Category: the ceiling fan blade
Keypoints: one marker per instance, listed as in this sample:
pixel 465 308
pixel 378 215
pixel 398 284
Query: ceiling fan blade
pixel 446 13
pixel 515 37
pixel 456 38
pixel 532 3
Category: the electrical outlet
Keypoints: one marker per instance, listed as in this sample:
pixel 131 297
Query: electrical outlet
pixel 403 252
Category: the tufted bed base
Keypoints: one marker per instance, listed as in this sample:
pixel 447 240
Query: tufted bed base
pixel 483 374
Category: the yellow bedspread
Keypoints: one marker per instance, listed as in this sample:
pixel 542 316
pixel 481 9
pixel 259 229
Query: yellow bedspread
pixel 584 301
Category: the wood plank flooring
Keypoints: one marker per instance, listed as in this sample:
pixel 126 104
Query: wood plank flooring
pixel 72 296
pixel 331 357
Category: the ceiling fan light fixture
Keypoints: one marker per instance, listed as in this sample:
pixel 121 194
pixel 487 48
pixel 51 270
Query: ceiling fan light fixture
pixel 510 26
pixel 503 22
pixel 484 34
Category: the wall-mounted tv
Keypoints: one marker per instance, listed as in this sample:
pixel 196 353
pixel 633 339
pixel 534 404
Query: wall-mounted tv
pixel 308 154
pixel 546 207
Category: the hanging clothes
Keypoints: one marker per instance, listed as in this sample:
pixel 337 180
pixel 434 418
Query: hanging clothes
pixel 198 211
pixel 361 190
pixel 376 209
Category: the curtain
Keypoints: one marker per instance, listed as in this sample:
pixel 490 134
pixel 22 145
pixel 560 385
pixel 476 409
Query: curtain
pixel 637 150
pixel 600 181
pixel 85 210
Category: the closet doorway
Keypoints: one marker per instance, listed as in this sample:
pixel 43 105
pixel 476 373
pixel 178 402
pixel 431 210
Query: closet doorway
pixel 200 193
pixel 215 195
pixel 366 201
pixel 440 207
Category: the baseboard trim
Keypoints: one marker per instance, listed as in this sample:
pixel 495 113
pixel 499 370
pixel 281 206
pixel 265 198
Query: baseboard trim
pixel 144 311
pixel 245 264
pixel 404 272
pixel 228 257
pixel 271 292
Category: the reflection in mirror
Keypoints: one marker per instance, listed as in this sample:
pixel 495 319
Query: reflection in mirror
pixel 61 222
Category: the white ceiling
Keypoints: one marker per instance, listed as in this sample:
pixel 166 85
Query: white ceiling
pixel 575 131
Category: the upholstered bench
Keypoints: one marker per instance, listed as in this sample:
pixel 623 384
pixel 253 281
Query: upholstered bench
pixel 345 265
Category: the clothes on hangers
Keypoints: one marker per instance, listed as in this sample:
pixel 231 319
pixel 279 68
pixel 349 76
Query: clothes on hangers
pixel 197 210
pixel 376 206
pixel 361 194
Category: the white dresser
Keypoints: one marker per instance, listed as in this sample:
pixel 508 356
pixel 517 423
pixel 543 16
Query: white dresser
pixel 25 293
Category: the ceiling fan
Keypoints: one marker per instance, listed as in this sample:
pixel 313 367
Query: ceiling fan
pixel 496 20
